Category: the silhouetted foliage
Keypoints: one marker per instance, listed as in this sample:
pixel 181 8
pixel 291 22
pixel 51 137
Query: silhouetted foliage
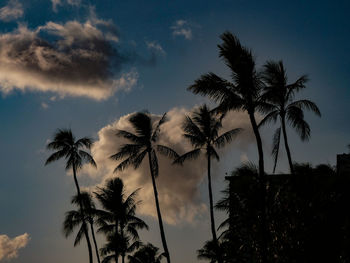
pixel 243 93
pixel 306 216
pixel 146 254
pixel 280 95
pixel 118 220
pixel 202 130
pixel 144 142
pixel 74 152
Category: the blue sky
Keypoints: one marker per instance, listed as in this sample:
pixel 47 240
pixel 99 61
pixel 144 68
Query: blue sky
pixel 145 55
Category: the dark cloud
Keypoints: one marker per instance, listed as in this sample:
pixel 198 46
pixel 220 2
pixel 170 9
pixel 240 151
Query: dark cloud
pixel 70 59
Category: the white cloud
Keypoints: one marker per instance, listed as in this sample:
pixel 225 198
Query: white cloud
pixel 153 45
pixel 178 186
pixel 182 28
pixel 9 247
pixel 81 61
pixel 12 11
pixel 44 105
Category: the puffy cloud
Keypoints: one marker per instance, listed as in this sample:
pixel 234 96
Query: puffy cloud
pixel 11 11
pixel 182 28
pixel 70 59
pixel 178 186
pixel 9 247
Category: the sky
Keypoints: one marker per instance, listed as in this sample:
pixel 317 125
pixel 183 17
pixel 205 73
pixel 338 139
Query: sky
pixel 87 65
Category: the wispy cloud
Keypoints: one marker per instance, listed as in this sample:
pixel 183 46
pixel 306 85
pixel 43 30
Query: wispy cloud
pixel 12 11
pixel 9 247
pixel 179 186
pixel 182 28
pixel 83 60
pixel 56 3
pixel 154 46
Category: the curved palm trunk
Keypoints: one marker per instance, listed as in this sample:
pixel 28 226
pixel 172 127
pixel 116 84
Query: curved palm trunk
pixel 160 221
pixel 81 209
pixel 262 183
pixel 211 206
pixel 286 144
pixel 95 243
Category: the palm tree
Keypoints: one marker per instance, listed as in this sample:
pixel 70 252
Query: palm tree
pixel 212 251
pixel 202 130
pixel 243 93
pixel 146 254
pixel 118 220
pixel 75 218
pixel 74 151
pixel 144 142
pixel 283 106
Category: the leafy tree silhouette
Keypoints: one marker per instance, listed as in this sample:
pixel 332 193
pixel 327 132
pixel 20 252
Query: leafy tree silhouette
pixel 75 154
pixel 281 95
pixel 243 93
pixel 75 218
pixel 146 254
pixel 202 130
pixel 144 142
pixel 118 220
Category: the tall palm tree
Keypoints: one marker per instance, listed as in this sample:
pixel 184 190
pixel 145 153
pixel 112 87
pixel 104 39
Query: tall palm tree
pixel 144 142
pixel 281 95
pixel 74 151
pixel 146 254
pixel 202 130
pixel 118 219
pixel 81 217
pixel 242 93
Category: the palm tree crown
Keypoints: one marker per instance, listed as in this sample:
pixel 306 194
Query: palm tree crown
pixel 118 219
pixel 144 142
pixel 75 153
pixel 202 130
pixel 280 95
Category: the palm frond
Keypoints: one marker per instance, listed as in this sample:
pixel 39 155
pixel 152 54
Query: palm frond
pixel 129 136
pixel 84 142
pixel 227 137
pixel 295 116
pixel 80 235
pixel 212 86
pixel 191 155
pixel 56 156
pixel 87 158
pixel 308 105
pixel 270 117
pixel 156 131
pixel 167 151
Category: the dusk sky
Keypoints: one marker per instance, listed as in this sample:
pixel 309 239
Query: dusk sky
pixel 86 65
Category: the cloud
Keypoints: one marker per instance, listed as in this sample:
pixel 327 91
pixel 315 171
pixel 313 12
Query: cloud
pixel 154 46
pixel 71 59
pixel 56 3
pixel 44 105
pixel 12 11
pixel 182 28
pixel 9 247
pixel 178 186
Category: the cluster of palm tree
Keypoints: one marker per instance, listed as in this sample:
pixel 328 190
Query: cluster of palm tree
pixel 265 92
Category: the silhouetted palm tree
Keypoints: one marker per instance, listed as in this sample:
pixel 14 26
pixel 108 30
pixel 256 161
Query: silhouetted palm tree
pixel 212 251
pixel 144 142
pixel 75 154
pixel 118 220
pixel 244 93
pixel 281 95
pixel 202 130
pixel 146 254
pixel 75 218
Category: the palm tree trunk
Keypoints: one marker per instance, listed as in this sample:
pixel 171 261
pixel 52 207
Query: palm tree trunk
pixel 211 206
pixel 95 243
pixel 262 183
pixel 286 144
pixel 160 221
pixel 81 209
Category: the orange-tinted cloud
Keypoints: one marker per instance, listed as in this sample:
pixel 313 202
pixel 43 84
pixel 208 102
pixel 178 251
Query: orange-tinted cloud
pixel 9 247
